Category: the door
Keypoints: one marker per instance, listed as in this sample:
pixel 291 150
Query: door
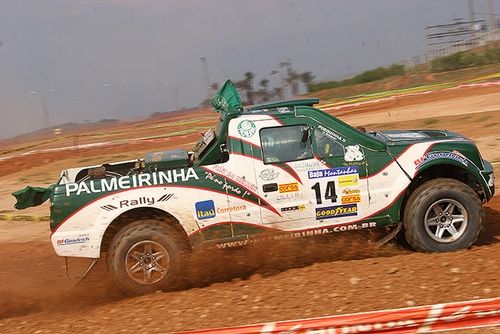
pixel 340 188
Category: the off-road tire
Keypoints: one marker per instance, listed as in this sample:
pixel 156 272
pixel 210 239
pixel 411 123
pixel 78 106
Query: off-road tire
pixel 142 230
pixel 421 201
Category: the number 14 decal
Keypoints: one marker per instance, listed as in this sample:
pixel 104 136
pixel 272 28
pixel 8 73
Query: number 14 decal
pixel 329 192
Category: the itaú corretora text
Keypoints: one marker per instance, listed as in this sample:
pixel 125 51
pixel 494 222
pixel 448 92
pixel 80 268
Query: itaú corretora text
pixel 131 181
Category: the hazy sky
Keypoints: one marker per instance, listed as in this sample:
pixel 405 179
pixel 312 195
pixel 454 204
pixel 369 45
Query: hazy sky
pixel 89 57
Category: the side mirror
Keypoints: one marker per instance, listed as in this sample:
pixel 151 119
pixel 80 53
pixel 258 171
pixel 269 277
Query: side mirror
pixel 304 136
pixel 224 152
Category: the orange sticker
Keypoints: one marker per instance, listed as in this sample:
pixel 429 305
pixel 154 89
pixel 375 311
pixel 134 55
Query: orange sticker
pixel 351 199
pixel 288 187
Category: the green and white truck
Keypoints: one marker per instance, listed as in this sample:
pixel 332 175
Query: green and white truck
pixel 269 172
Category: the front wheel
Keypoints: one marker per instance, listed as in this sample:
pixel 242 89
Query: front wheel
pixel 146 256
pixel 443 215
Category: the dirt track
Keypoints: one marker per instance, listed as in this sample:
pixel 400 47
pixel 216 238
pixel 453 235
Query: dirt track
pixel 304 278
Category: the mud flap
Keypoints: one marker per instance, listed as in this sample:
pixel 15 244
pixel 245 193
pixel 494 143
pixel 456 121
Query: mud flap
pixel 85 273
pixel 390 236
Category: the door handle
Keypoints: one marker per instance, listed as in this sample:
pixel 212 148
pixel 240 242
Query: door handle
pixel 270 187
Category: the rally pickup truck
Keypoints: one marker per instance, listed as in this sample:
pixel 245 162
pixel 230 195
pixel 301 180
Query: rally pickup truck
pixel 269 172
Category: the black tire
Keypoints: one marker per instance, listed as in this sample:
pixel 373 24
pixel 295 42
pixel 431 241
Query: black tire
pixel 427 206
pixel 160 237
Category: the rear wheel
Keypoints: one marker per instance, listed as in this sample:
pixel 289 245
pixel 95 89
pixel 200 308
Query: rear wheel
pixel 443 215
pixel 146 256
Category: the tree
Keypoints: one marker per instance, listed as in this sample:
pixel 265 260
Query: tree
pixel 249 76
pixel 307 78
pixel 278 93
pixel 263 93
pixel 247 86
pixel 292 79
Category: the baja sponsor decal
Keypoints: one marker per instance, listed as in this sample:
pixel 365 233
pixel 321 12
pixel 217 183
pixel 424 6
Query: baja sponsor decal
pixel 314 174
pixel 231 209
pixel 83 239
pixel 205 209
pixel 301 207
pixel 131 181
pixel 350 199
pixel 348 180
pixel 246 128
pixel 269 174
pixel 299 234
pixel 353 153
pixel 454 155
pixel 332 134
pixel 337 211
pixel 238 179
pixel 288 187
pixel 348 191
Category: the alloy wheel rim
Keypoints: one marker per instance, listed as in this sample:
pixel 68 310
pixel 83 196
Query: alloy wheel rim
pixel 446 220
pixel 147 262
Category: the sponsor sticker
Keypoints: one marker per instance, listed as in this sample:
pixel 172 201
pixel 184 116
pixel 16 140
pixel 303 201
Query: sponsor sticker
pixel 231 209
pixel 350 199
pixel 205 209
pixel 337 211
pixel 246 128
pixel 269 174
pixel 283 110
pixel 233 177
pixel 144 200
pixel 73 241
pixel 288 187
pixel 348 180
pixel 454 155
pixel 287 197
pixel 256 111
pixel 353 153
pixel 329 172
pixel 226 186
pixel 302 166
pixel 331 133
pixel 301 207
pixel 348 191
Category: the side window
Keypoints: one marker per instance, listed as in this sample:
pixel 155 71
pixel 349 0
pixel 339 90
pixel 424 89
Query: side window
pixel 326 147
pixel 283 144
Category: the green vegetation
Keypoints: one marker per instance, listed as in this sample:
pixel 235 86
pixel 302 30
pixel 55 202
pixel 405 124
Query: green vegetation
pixel 367 76
pixel 466 59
